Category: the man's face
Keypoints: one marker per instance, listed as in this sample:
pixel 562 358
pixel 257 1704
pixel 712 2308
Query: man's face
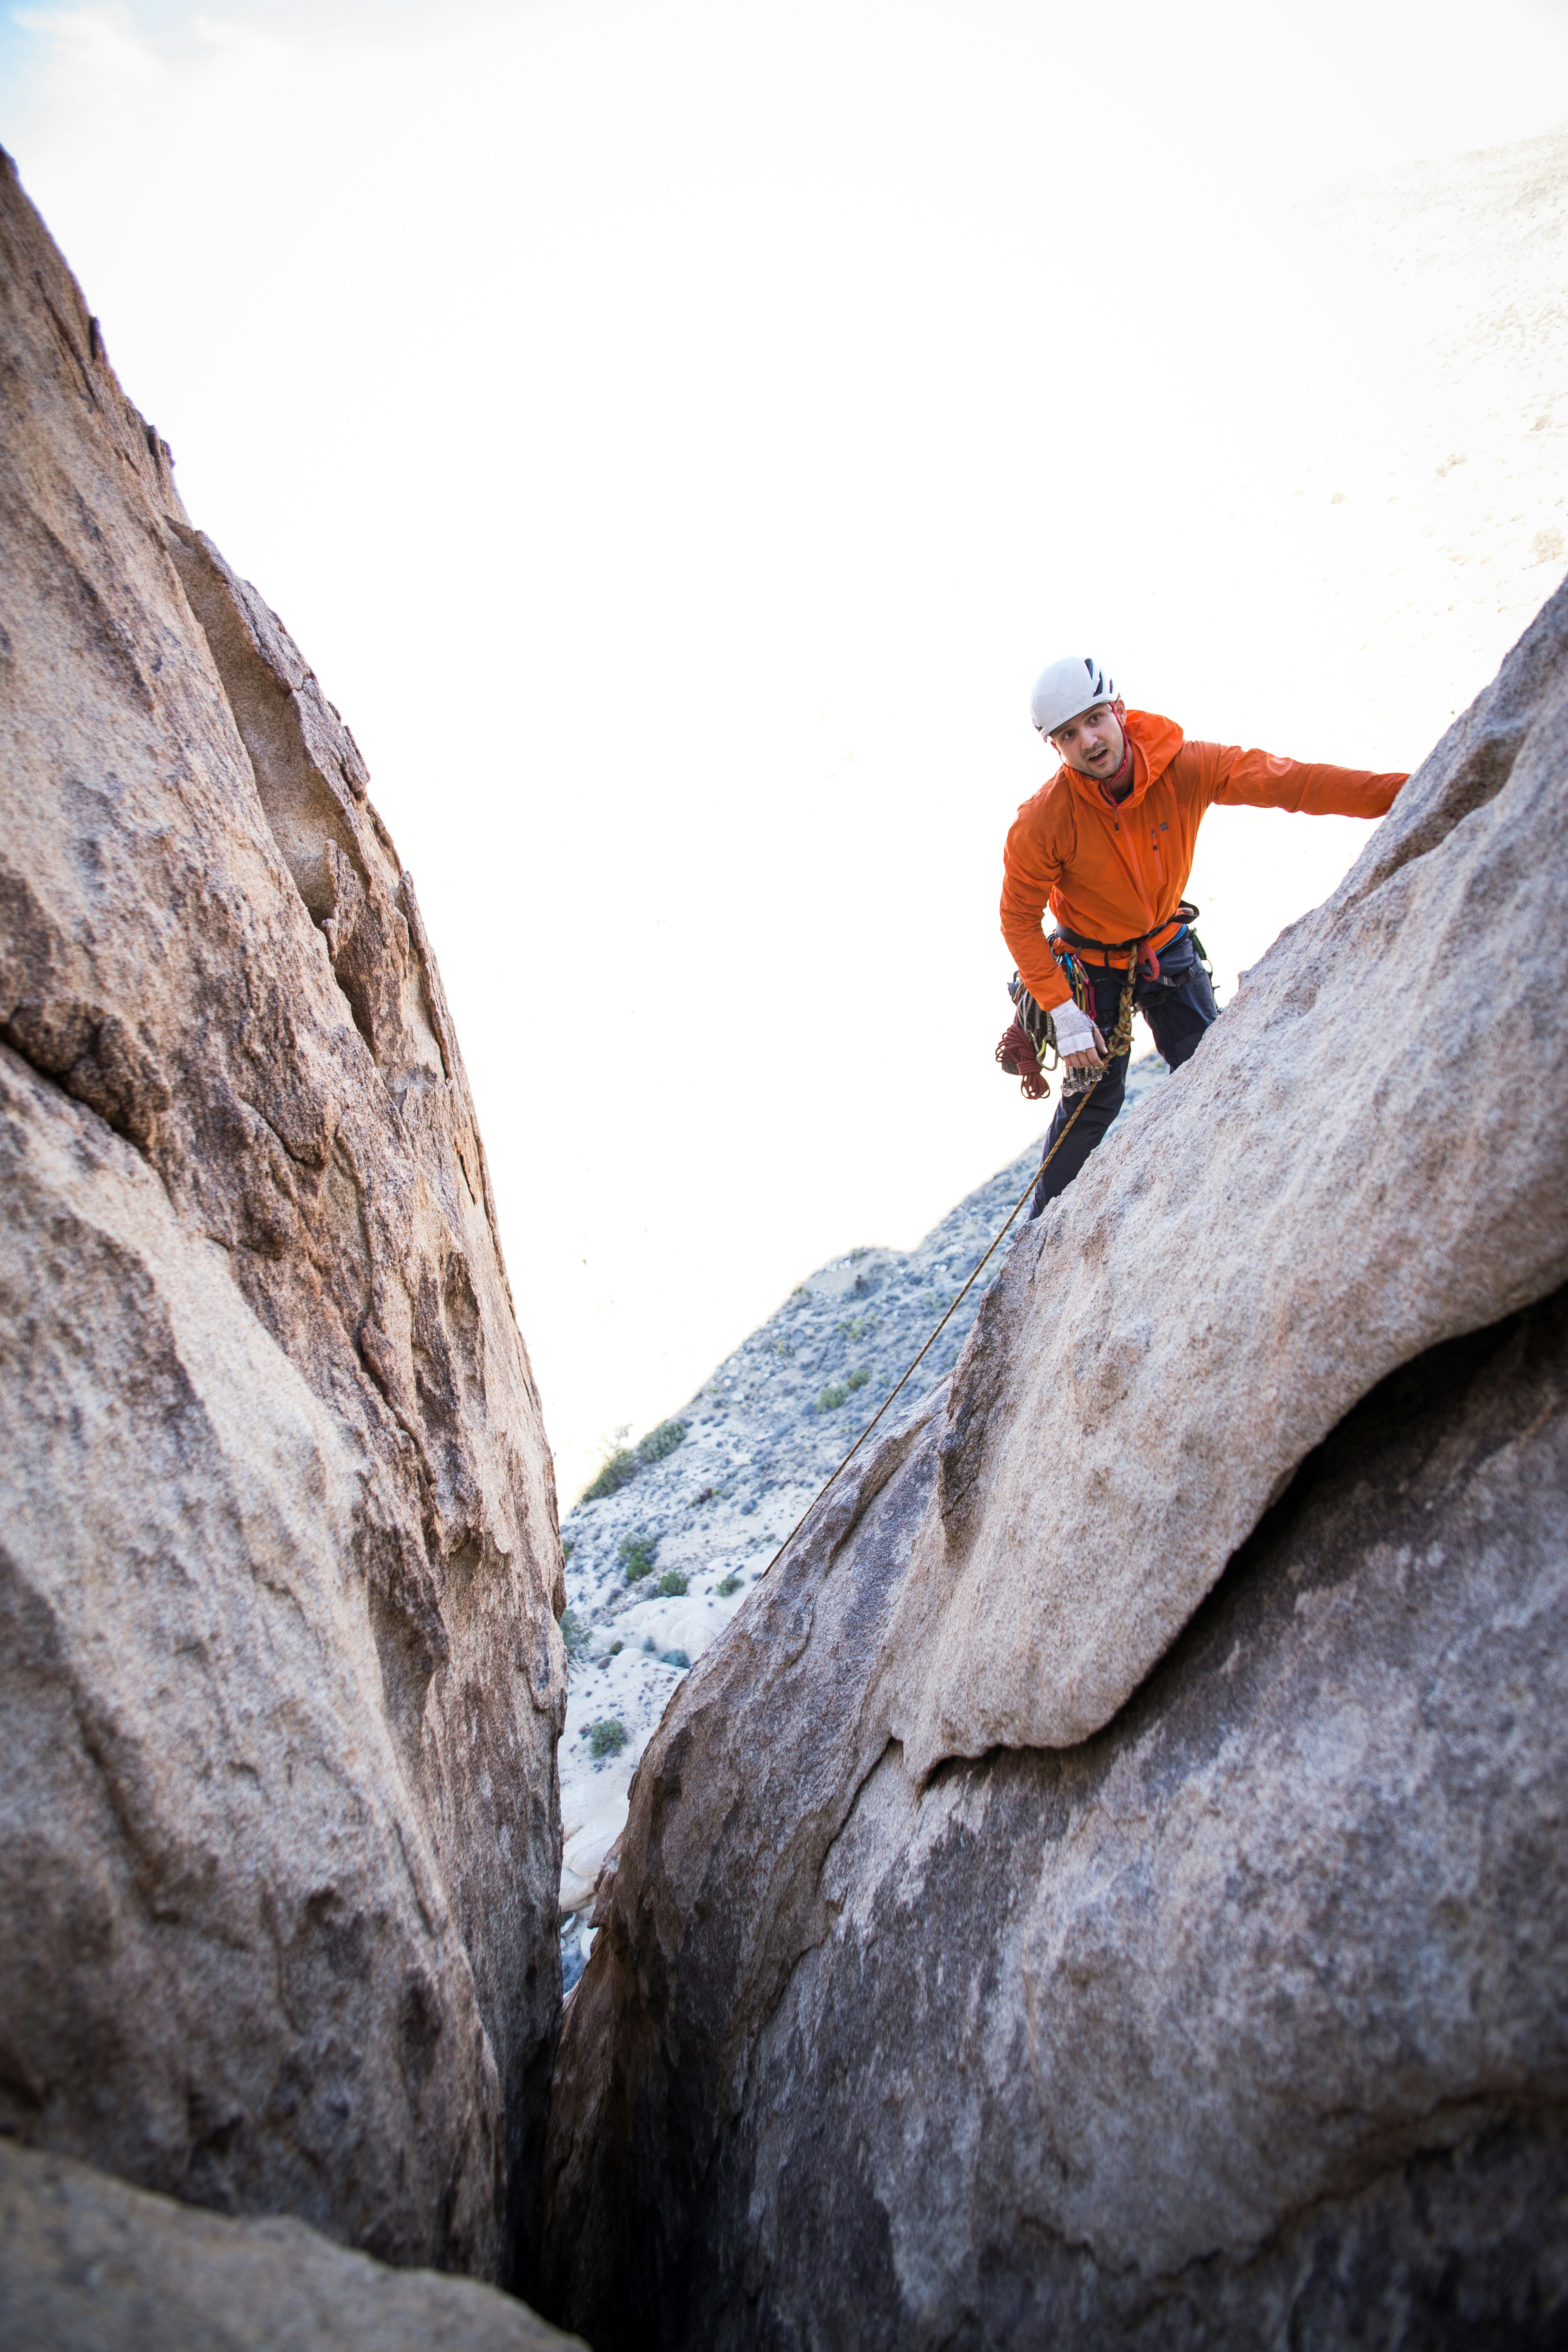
pixel 1093 742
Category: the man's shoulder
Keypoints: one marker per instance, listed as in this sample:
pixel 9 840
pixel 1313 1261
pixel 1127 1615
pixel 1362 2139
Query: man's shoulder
pixel 1045 810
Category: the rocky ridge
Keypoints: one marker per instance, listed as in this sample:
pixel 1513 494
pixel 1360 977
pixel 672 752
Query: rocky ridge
pixel 759 1439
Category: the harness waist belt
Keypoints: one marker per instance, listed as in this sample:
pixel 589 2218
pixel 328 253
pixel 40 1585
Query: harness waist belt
pixel 1156 939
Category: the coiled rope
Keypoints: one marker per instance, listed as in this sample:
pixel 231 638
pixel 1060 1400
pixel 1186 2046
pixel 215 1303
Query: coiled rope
pixel 1120 1043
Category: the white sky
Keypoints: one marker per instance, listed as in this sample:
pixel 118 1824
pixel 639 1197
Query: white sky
pixel 677 433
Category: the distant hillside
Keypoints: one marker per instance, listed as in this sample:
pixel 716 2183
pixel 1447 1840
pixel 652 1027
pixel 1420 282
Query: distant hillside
pixel 697 1524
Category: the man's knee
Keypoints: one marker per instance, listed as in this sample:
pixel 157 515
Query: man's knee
pixel 1181 1041
pixel 1184 1021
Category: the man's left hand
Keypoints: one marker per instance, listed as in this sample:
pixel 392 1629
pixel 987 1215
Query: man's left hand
pixel 1093 1057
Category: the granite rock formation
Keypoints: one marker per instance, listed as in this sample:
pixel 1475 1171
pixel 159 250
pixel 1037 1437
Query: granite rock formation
pixel 280 1680
pixel 1114 1893
pixel 756 1445
pixel 88 2265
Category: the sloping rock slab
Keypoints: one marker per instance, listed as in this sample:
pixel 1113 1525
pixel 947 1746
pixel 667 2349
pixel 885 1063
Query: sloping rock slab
pixel 1243 2007
pixel 1241 2024
pixel 88 2265
pixel 1366 1157
pixel 279 1678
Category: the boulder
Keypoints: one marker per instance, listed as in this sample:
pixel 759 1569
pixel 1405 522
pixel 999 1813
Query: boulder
pixel 1112 1891
pixel 280 1682
pixel 88 2265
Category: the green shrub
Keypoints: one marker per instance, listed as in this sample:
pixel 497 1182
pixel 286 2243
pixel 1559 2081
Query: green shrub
pixel 856 1326
pixel 660 1441
pixel 608 1738
pixel 615 1649
pixel 573 1633
pixel 857 1380
pixel 799 1294
pixel 568 1546
pixel 832 1397
pixel 731 1584
pixel 671 1585
pixel 673 1658
pixel 614 1473
pixel 637 1554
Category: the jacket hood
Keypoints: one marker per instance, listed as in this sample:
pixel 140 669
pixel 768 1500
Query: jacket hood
pixel 1155 743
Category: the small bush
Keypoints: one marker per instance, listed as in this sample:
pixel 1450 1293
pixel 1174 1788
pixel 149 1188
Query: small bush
pixel 660 1441
pixel 731 1584
pixel 671 1585
pixel 568 1546
pixel 573 1633
pixel 617 1468
pixel 673 1658
pixel 637 1554
pixel 606 1738
pixel 856 1326
pixel 857 1380
pixel 832 1397
pixel 615 1648
pixel 799 1294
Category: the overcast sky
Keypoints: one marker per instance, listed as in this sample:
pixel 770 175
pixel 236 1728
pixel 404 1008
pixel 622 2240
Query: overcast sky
pixel 677 434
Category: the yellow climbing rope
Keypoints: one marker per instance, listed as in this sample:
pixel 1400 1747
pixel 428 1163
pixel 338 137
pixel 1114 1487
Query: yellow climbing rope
pixel 1120 1042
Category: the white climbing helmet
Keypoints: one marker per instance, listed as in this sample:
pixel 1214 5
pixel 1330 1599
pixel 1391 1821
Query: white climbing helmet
pixel 1066 689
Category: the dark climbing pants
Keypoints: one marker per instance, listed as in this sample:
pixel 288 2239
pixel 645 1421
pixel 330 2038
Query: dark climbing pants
pixel 1179 1007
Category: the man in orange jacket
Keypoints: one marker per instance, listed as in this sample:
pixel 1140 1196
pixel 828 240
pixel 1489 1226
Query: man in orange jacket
pixel 1107 844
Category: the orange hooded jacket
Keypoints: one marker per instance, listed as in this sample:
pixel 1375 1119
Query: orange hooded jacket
pixel 1116 870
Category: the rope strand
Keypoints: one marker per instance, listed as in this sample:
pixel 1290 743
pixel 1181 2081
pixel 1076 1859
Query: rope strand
pixel 1121 1040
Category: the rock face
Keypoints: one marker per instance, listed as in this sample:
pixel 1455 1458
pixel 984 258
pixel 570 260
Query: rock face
pixel 280 1682
pixel 89 2265
pixel 1319 1196
pixel 759 1439
pixel 1128 1906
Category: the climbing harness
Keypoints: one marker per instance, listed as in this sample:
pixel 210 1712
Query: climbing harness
pixel 1148 962
pixel 1080 1082
pixel 1022 1050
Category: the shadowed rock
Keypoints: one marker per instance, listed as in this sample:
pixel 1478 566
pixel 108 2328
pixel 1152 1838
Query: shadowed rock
pixel 89 2265
pixel 280 1679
